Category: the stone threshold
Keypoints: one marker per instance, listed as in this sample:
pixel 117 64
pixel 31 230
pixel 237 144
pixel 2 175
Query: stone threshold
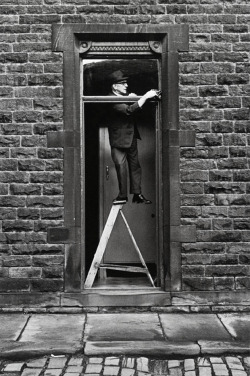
pixel 146 299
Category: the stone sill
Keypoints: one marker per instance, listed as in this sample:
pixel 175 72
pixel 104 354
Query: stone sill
pixel 136 301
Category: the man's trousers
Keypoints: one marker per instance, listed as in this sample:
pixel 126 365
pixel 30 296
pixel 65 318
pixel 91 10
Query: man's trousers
pixel 121 158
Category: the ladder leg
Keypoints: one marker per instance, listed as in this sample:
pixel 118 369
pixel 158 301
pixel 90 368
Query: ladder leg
pixel 102 245
pixel 138 250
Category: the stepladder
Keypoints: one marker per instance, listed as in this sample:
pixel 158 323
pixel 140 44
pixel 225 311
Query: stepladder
pixel 97 264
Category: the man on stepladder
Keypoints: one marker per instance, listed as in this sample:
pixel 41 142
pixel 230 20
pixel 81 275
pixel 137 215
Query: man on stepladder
pixel 123 135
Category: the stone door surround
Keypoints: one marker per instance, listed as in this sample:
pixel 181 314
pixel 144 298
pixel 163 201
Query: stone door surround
pixel 75 40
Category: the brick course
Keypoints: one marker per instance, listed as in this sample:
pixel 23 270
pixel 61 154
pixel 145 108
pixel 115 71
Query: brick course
pixel 214 101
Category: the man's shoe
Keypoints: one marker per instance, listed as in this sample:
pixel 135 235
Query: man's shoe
pixel 140 199
pixel 120 200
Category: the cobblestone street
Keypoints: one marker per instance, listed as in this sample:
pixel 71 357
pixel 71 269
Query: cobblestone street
pixel 127 366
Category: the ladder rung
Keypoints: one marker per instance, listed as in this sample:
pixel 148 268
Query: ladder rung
pixel 135 269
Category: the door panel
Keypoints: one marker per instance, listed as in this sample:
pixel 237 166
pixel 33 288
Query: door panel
pixel 141 218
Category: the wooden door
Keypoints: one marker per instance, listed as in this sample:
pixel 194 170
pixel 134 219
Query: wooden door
pixel 141 217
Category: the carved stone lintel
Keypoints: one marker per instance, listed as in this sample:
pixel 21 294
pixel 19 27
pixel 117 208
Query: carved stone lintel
pixel 99 48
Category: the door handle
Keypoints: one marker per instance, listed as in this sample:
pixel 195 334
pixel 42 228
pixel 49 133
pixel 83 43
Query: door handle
pixel 107 172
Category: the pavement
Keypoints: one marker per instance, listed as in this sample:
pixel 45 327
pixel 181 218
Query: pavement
pixel 148 334
pixel 127 366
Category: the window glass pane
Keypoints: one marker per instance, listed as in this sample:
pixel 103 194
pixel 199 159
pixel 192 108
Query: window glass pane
pixel 142 75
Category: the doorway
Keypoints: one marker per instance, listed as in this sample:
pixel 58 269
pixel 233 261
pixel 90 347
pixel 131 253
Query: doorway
pixel 100 176
pixel 163 43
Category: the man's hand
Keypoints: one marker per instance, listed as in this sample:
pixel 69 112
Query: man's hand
pixel 132 95
pixel 149 94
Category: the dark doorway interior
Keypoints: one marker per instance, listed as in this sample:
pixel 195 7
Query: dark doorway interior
pixel 143 75
pixel 93 119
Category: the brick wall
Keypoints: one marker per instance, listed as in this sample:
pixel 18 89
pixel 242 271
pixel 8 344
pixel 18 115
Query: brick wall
pixel 214 101
pixel 31 189
pixel 214 87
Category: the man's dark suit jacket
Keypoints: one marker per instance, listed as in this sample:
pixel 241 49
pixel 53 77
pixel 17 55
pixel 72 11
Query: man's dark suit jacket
pixel 122 125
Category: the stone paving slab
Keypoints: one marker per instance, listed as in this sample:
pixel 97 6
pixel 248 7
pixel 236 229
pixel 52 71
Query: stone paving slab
pixel 54 328
pixel 123 327
pixel 11 326
pixel 141 348
pixel 27 350
pixel 193 327
pixel 45 334
pixel 238 325
pixel 27 336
